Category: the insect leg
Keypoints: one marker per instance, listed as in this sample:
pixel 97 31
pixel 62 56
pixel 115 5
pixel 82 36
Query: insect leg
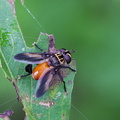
pixel 62 81
pixel 28 69
pixel 38 47
pixel 68 68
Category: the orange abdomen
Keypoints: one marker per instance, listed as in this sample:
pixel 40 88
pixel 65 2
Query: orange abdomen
pixel 39 69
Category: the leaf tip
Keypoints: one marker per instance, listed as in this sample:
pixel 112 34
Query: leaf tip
pixel 6 114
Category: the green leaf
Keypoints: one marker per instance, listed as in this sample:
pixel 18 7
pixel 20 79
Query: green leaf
pixel 54 104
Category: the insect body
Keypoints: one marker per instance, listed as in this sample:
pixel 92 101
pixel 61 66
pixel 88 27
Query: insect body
pixel 39 69
pixel 49 66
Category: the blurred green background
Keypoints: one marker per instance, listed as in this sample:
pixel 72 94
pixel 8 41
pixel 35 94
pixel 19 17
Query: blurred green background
pixel 92 29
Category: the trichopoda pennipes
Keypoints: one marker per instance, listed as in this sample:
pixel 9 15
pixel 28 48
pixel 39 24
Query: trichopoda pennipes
pixel 49 68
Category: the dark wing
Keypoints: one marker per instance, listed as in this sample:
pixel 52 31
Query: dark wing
pixel 30 58
pixel 44 81
pixel 49 78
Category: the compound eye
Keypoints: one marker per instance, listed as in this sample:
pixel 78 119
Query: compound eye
pixel 67 58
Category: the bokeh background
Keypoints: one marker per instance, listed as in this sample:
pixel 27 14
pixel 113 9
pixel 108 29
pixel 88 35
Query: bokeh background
pixel 92 29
